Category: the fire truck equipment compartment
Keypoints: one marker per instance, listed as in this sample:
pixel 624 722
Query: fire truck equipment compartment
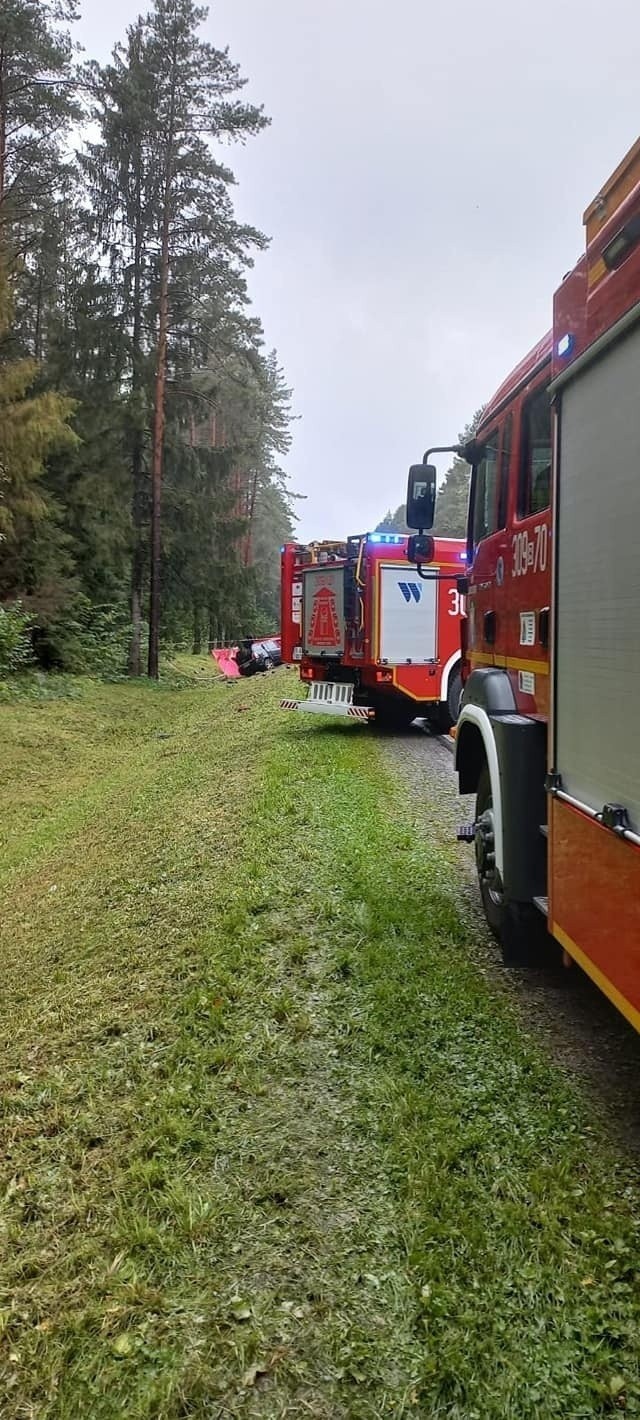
pixel 596 752
pixel 407 617
pixel 323 629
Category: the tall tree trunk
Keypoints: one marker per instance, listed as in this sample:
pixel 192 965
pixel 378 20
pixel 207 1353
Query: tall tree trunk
pixel 251 507
pixel 135 645
pixel 138 499
pixel 37 353
pixel 4 237
pixel 197 630
pixel 3 124
pixel 161 379
pixel 158 441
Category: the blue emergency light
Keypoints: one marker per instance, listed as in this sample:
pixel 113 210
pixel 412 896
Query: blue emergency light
pixel 564 346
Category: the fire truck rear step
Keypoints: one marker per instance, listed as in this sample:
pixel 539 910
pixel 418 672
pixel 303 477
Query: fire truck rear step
pixel 331 698
pixel 542 904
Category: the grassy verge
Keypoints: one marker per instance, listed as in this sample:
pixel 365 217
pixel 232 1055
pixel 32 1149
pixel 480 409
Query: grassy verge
pixel 272 1147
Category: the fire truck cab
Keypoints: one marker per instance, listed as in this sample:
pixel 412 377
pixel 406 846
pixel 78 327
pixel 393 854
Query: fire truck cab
pixel 501 744
pixel 547 734
pixel 372 638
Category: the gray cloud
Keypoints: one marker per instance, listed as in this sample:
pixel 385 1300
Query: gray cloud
pixel 423 183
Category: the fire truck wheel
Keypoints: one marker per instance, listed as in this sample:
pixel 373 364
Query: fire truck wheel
pixel 392 717
pixel 517 926
pixel 453 697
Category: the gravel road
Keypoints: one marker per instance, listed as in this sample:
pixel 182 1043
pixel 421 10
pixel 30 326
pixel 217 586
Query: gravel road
pixel 560 1008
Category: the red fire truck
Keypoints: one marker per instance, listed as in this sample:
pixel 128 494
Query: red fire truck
pixel 546 737
pixel 373 639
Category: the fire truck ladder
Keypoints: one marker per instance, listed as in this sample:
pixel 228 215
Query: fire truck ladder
pixel 354 592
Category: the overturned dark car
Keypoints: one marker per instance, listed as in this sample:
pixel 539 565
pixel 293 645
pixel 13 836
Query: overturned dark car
pixel 252 657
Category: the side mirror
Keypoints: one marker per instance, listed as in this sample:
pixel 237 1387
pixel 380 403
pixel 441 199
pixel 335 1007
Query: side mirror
pixel 421 548
pixel 421 496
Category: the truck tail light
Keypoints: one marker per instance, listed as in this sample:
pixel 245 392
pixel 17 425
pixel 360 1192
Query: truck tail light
pixel 386 676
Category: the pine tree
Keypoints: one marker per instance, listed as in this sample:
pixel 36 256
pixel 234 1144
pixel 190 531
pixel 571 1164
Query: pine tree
pixel 162 205
pixel 121 175
pixel 196 88
pixel 452 500
pixel 453 495
pixel 273 525
pixel 37 103
pixel 393 522
pixel 251 394
pixel 89 352
pixel 227 506
pixel 130 310
pixel 32 425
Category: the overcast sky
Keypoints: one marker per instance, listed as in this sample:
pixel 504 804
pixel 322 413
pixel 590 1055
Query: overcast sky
pixel 423 183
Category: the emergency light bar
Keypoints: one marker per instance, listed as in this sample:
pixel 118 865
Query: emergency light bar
pixel 388 538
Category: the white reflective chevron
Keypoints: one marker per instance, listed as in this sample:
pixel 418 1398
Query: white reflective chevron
pixel 330 698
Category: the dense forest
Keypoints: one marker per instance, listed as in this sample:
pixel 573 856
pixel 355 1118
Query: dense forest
pixel 142 417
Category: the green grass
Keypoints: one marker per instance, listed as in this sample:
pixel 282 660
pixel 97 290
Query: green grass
pixel 272 1145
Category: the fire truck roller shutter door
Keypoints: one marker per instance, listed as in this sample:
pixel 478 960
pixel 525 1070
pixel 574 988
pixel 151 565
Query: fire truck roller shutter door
pixel 597 640
pixel 408 604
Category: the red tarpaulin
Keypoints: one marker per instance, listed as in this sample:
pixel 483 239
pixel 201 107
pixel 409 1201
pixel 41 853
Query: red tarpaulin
pixel 226 659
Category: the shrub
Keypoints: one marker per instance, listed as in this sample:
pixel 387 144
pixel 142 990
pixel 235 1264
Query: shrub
pixel 15 640
pixel 85 640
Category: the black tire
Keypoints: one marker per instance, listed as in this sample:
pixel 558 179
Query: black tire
pixel 438 720
pixel 393 716
pixel 517 926
pixel 453 697
pixel 432 719
pixel 441 718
